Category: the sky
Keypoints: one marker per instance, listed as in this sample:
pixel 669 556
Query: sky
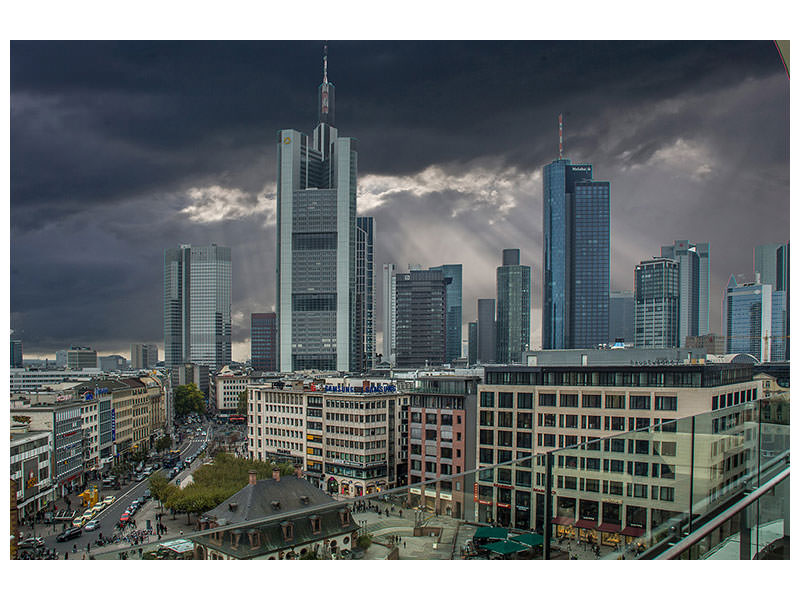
pixel 120 150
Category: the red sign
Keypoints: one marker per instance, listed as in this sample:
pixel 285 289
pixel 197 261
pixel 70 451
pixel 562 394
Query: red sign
pixel 476 492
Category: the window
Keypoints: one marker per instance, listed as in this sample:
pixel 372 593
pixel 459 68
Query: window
pixel 668 494
pixel 486 456
pixel 487 418
pixel 547 399
pixel 504 438
pixel 430 434
pixel 615 488
pixel 615 400
pixel 666 403
pixel 571 421
pixel 524 420
pixel 669 448
pixel 487 437
pixel 592 464
pixel 430 418
pixel 640 402
pixel 548 439
pixel 524 440
pixel 593 422
pixel 569 400
pixel 639 490
pixel 505 400
pixel 487 399
pixel 590 401
pixel 524 400
pixel 592 485
pixel 524 478
pixel 549 420
pixel 505 419
pixel 642 423
pixel 667 471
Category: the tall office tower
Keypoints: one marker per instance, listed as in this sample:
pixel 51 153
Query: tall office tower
pixel 620 316
pixel 61 358
pixel 421 335
pixel 656 285
pixel 16 354
pixel 316 244
pixel 755 320
pixel 513 308
pixel 575 275
pixel 487 331
pixel 389 313
pixel 452 275
pixel 365 286
pixel 771 265
pixel 197 306
pixel 79 357
pixel 264 341
pixel 695 282
pixel 143 356
pixel 472 343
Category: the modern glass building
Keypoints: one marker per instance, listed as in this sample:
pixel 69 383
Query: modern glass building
pixel 755 318
pixel 316 245
pixel 452 275
pixel 513 308
pixel 389 312
pixel 656 303
pixel 487 331
pixel 366 287
pixel 576 272
pixel 695 282
pixel 197 306
pixel 264 341
pixel 421 301
pixel 472 343
pixel 771 265
pixel 620 316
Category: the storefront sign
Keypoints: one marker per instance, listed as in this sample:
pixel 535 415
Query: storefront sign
pixel 339 388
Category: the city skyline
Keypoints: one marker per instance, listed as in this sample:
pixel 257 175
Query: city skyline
pixel 699 129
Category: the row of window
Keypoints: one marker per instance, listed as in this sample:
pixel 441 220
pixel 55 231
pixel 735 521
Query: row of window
pixel 617 488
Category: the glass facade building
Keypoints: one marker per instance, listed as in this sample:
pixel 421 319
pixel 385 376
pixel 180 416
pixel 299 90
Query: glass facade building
pixel 452 275
pixel 656 303
pixel 513 308
pixel 695 282
pixel 620 316
pixel 576 272
pixel 264 341
pixel 365 285
pixel 421 301
pixel 755 318
pixel 197 306
pixel 317 245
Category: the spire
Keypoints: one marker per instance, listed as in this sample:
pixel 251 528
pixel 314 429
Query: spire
pixel 326 96
pixel 325 64
pixel 560 135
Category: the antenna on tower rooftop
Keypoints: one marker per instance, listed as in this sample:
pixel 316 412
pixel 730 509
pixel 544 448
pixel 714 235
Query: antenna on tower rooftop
pixel 560 135
pixel 325 63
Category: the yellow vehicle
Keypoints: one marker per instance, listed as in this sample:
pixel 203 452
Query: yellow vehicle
pixel 79 521
pixel 88 514
pixel 97 509
pixel 108 500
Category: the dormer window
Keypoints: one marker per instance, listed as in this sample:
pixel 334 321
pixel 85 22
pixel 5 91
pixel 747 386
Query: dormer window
pixel 316 525
pixel 287 527
pixel 344 517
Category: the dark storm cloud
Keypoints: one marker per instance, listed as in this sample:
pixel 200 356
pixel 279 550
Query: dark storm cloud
pixel 119 150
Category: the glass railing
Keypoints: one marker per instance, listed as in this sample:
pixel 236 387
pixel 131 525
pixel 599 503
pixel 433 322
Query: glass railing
pixel 627 496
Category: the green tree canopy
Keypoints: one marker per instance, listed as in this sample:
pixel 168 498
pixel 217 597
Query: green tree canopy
pixel 188 399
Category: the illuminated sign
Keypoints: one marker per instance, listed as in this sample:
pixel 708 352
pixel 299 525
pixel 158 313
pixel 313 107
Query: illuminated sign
pixel 287 140
pixel 371 389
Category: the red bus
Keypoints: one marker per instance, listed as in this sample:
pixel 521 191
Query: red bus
pixel 237 419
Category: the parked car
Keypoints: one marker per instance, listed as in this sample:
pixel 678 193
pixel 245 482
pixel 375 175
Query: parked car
pixel 79 521
pixel 124 518
pixel 69 534
pixel 31 542
pixel 92 525
pixel 140 477
pixel 147 494
pixel 109 500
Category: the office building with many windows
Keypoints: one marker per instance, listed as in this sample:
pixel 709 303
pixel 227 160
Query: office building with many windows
pixel 452 276
pixel 365 291
pixel 576 271
pixel 197 306
pixel 389 313
pixel 144 356
pixel 755 320
pixel 264 341
pixel 694 281
pixel 316 245
pixel 656 297
pixel 620 316
pixel 513 335
pixel 421 318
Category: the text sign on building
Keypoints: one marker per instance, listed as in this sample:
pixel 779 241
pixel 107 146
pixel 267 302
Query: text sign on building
pixel 113 425
pixel 371 389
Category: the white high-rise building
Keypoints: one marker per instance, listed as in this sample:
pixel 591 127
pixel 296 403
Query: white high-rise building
pixel 389 313
pixel 316 245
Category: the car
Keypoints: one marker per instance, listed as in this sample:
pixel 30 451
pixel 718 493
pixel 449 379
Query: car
pixel 79 521
pixel 109 500
pixel 124 518
pixel 140 477
pixel 92 525
pixel 147 494
pixel 69 534
pixel 132 509
pixel 141 500
pixel 31 542
pixel 88 514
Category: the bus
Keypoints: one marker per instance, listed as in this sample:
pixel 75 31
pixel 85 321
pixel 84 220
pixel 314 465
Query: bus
pixel 240 419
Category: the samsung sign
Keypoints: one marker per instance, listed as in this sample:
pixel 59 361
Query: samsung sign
pixel 371 389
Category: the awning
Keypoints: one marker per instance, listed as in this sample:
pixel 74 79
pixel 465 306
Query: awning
pixel 490 533
pixel 609 527
pixel 563 520
pixel 505 547
pixel 633 531
pixel 529 539
pixel 586 524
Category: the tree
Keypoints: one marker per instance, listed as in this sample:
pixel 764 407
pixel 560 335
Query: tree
pixel 364 542
pixel 189 399
pixel 158 486
pixel 241 407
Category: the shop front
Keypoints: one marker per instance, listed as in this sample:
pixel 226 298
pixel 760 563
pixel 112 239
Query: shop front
pixel 612 524
pixel 587 523
pixel 564 527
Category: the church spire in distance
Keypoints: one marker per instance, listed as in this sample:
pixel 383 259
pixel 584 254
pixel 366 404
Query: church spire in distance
pixel 327 94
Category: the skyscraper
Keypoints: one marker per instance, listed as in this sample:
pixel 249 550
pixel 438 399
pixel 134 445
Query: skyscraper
pixel 656 303
pixel 755 320
pixel 264 341
pixel 316 244
pixel 472 343
pixel 695 282
pixel 143 356
pixel 513 308
pixel 452 275
pixel 16 353
pixel 576 276
pixel 771 265
pixel 620 316
pixel 197 306
pixel 365 286
pixel 421 301
pixel 487 331
pixel 389 313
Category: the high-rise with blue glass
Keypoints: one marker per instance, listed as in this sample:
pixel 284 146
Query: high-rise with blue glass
pixel 575 271
pixel 452 277
pixel 316 245
pixel 755 320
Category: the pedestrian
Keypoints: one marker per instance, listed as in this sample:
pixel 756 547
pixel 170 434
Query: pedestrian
pixel 89 546
pixel 74 548
pixel 66 555
pixel 404 544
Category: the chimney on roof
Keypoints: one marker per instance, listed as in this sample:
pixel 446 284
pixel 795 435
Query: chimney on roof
pixel 252 475
pixel 276 474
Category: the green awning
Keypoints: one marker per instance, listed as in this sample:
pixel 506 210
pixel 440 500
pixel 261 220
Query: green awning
pixel 499 533
pixel 529 539
pixel 505 548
